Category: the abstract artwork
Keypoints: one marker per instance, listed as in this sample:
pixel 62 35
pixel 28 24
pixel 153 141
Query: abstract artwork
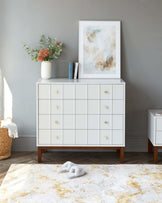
pixel 99 49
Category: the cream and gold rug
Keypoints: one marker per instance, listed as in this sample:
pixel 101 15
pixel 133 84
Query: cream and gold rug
pixel 41 183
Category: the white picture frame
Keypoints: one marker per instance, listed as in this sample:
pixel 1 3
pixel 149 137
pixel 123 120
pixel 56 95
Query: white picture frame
pixel 99 49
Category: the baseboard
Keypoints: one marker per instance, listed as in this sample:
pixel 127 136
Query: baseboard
pixel 24 143
pixel 134 143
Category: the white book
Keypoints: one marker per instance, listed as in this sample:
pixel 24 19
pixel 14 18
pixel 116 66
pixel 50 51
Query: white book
pixel 76 70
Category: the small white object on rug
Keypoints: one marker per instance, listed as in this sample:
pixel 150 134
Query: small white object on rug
pixel 28 183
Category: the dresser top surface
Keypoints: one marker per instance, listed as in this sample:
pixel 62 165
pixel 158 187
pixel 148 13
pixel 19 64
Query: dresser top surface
pixel 156 112
pixel 81 81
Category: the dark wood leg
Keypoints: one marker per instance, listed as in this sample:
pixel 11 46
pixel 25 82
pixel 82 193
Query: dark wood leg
pixel 155 155
pixel 122 155
pixel 39 155
pixel 149 146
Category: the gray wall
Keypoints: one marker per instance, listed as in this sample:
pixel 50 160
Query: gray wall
pixel 26 20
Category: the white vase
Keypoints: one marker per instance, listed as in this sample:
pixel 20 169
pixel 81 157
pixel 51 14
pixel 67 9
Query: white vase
pixel 46 69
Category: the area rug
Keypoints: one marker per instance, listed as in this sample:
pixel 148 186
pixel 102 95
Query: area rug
pixel 32 183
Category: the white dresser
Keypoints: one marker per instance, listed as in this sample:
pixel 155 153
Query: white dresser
pixel 82 114
pixel 155 132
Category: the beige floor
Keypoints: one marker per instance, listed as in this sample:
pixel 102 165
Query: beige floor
pixel 77 157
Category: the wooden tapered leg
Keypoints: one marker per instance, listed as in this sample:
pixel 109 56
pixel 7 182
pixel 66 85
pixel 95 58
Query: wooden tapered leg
pixel 155 155
pixel 122 155
pixel 149 146
pixel 39 155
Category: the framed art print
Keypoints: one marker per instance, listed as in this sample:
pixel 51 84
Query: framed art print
pixel 99 49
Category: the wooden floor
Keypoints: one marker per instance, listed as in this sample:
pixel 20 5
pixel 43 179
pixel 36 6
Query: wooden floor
pixel 77 157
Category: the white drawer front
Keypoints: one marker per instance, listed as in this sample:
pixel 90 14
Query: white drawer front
pixel 81 121
pixel 118 106
pixel 44 121
pixel 44 91
pixel 69 137
pixel 93 137
pixel 56 121
pixel 158 137
pixel 106 91
pixel 159 124
pixel 69 122
pixel 93 106
pixel 81 106
pixel 118 122
pixel 106 122
pixel 56 137
pixel 69 106
pixel 118 92
pixel 106 106
pixel 44 106
pixel 56 107
pixel 93 92
pixel 44 137
pixel 81 91
pixel 93 122
pixel 56 91
pixel 69 91
pixel 81 137
pixel 117 137
pixel 106 137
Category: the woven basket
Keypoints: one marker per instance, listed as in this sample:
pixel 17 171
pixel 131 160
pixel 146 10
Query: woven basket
pixel 5 143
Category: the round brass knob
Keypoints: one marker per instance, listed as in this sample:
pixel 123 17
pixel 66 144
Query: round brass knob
pixel 106 122
pixel 56 122
pixel 106 107
pixel 105 137
pixel 56 137
pixel 56 91
pixel 105 92
pixel 56 107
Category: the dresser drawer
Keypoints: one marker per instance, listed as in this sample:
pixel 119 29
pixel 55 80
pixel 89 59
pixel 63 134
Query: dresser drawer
pixel 81 106
pixel 44 106
pixel 81 122
pixel 117 122
pixel 69 92
pixel 118 92
pixel 81 137
pixel 56 137
pixel 118 107
pixel 93 122
pixel 44 91
pixel 93 92
pixel 56 122
pixel 56 91
pixel 69 106
pixel 159 124
pixel 81 91
pixel 93 137
pixel 106 122
pixel 69 122
pixel 105 137
pixel 93 106
pixel 69 137
pixel 106 91
pixel 44 121
pixel 106 106
pixel 56 107
pixel 44 137
pixel 117 137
